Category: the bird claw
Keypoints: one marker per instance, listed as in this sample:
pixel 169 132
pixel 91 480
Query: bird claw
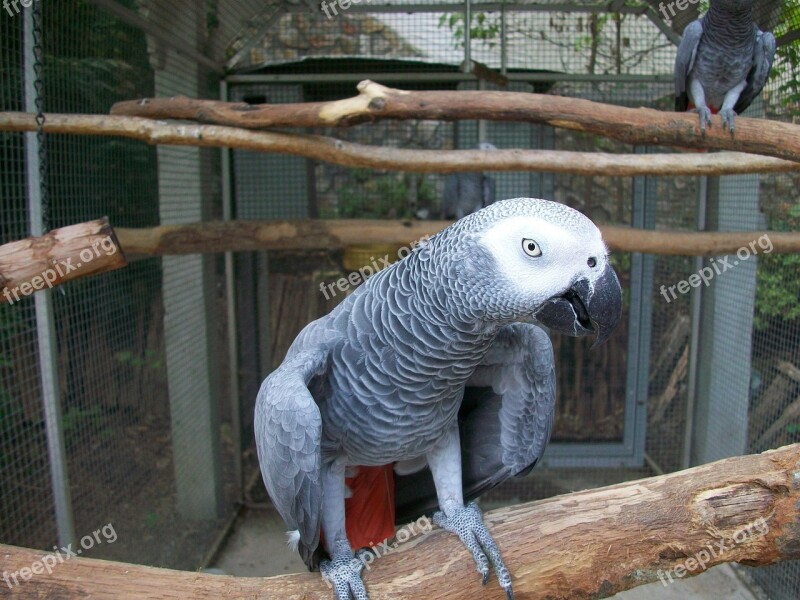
pixel 728 115
pixel 467 524
pixel 344 575
pixel 705 117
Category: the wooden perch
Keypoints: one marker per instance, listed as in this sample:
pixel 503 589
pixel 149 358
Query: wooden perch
pixel 61 255
pixel 589 544
pixel 374 102
pixel 347 154
pixel 233 236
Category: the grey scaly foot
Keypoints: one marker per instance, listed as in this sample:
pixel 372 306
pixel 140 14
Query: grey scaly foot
pixel 705 117
pixel 467 524
pixel 344 573
pixel 728 114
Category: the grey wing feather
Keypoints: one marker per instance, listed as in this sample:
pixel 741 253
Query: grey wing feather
pixel 684 61
pixel 763 57
pixel 288 429
pixel 521 368
pixel 505 420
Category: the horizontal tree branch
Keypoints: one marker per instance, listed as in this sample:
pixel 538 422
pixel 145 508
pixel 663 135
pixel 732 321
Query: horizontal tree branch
pixel 61 255
pixel 375 102
pixel 331 150
pixel 589 544
pixel 321 234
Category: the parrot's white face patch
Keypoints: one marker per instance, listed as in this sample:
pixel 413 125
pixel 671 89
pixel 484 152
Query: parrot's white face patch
pixel 540 258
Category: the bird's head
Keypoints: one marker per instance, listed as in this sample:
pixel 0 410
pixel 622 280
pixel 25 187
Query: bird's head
pixel 529 259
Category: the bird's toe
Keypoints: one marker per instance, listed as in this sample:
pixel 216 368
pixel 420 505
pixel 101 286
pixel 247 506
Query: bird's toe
pixel 344 575
pixel 705 117
pixel 467 523
pixel 728 117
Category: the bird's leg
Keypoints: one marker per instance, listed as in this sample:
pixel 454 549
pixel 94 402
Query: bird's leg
pixel 731 98
pixel 698 96
pixel 465 521
pixel 343 571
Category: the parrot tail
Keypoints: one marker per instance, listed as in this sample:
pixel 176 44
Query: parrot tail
pixel 369 509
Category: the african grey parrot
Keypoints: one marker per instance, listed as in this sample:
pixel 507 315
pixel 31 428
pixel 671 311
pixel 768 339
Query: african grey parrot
pixel 466 193
pixel 430 384
pixel 723 62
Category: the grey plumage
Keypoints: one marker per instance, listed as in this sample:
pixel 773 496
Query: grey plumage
pixel 723 62
pixel 466 193
pixel 427 364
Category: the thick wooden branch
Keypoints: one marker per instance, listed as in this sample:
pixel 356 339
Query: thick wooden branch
pixel 233 236
pixel 375 102
pixel 348 154
pixel 61 255
pixel 589 544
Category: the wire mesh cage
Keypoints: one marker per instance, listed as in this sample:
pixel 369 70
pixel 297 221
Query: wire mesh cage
pixel 147 368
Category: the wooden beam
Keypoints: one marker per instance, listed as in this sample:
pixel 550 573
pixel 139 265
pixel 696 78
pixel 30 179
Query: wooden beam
pixel 589 544
pixel 348 154
pixel 61 255
pixel 376 102
pixel 237 236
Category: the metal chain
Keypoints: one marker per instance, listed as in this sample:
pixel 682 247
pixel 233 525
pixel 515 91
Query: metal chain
pixel 38 69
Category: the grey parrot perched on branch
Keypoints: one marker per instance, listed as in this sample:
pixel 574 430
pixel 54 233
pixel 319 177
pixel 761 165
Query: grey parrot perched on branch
pixel 466 193
pixel 430 384
pixel 723 62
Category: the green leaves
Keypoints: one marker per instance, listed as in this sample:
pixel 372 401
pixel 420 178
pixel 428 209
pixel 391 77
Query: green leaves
pixel 482 27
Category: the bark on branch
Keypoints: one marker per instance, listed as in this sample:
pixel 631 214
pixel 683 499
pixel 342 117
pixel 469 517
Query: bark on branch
pixel 348 154
pixel 237 236
pixel 61 255
pixel 589 544
pixel 375 102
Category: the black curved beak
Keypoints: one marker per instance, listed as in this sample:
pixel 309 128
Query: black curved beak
pixel 586 309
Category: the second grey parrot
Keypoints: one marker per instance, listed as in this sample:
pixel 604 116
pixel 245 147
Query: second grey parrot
pixel 723 62
pixel 433 382
pixel 465 193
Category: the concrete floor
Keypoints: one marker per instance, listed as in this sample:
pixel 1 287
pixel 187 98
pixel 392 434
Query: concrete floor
pixel 257 548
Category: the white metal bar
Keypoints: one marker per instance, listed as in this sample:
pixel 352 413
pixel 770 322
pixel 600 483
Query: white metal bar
pixel 696 308
pixel 45 322
pixel 230 300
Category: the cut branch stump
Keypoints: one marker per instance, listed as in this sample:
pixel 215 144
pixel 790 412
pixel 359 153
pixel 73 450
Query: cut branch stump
pixel 61 255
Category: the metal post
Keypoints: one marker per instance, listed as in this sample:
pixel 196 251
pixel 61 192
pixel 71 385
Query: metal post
pixel 483 126
pixel 45 322
pixel 230 301
pixel 503 42
pixel 694 336
pixel 467 66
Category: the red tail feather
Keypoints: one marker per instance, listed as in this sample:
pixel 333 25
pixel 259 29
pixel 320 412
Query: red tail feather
pixel 369 512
